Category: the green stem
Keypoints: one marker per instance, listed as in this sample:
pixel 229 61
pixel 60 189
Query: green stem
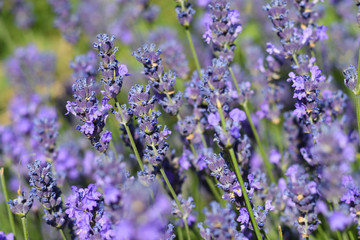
pixel 357 88
pixel 203 140
pixel 322 232
pixel 24 224
pixel 222 117
pixel 357 105
pixel 295 59
pixel 11 217
pixel 234 80
pixel 239 177
pixel 173 194
pixel 133 145
pixel 244 193
pixel 338 235
pixel 351 235
pixel 266 236
pixel 62 234
pixel 268 165
pixel 214 191
pixel 180 233
pixel 195 57
pixel 280 233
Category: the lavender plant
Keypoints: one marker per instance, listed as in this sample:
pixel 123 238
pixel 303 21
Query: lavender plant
pixel 231 121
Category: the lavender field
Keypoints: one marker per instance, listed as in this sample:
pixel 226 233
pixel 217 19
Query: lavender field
pixel 185 119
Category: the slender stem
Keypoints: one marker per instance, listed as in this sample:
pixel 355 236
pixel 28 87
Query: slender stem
pixel 280 233
pixel 357 105
pixel 338 235
pixel 295 59
pixel 322 232
pixel 239 177
pixel 214 191
pixel 268 165
pixel 357 88
pixel 62 234
pixel 351 235
pixel 222 117
pixel 234 80
pixel 266 236
pixel 180 233
pixel 173 194
pixel 187 229
pixel 24 224
pixel 203 140
pixel 244 193
pixel 11 217
pixel 133 145
pixel 196 59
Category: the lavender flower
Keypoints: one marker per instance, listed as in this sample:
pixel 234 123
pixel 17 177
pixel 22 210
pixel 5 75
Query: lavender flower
pixel 351 79
pixel 65 20
pixel 172 51
pixel 220 223
pixel 85 206
pixel 86 108
pixel 29 68
pixel 44 188
pixel 23 12
pixel 306 92
pixel 304 194
pixel 112 176
pixel 46 132
pixel 84 66
pixel 223 29
pixel 187 206
pixel 21 205
pixel 161 81
pixel 226 178
pixel 155 138
pixel 112 72
pixel 184 13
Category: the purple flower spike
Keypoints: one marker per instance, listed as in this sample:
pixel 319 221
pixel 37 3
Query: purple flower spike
pixel 112 72
pixel 85 207
pixel 223 29
pixel 185 13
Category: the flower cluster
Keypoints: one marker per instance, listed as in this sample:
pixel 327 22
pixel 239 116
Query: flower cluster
pixel 184 13
pixel 85 206
pixel 92 117
pixel 161 81
pixel 224 131
pixel 29 67
pixel 112 72
pixel 44 188
pixel 142 104
pixel 21 205
pixel 222 29
pixel 304 194
pixel 220 223
pixel 65 21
